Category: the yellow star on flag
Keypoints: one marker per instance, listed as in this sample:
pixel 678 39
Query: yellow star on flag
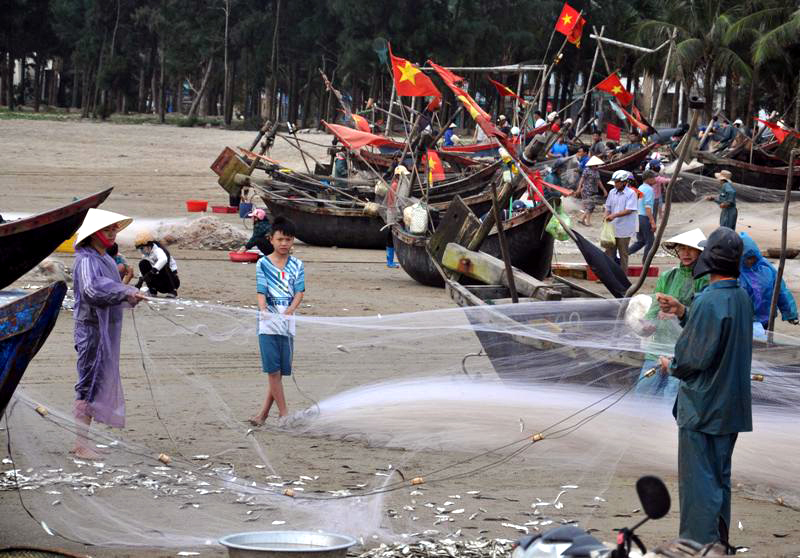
pixel 472 110
pixel 616 90
pixel 408 72
pixel 567 19
pixel 432 163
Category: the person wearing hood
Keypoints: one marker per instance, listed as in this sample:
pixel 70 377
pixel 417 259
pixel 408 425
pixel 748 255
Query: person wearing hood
pixel 726 199
pixel 261 231
pixel 757 277
pixel 100 297
pixel 678 283
pixel 712 359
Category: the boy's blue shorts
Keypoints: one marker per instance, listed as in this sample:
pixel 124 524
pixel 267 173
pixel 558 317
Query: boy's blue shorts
pixel 276 353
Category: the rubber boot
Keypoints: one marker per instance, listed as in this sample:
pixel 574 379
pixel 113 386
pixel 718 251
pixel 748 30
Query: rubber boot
pixel 390 257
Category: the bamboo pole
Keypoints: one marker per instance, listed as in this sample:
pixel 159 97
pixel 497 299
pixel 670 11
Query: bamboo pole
pixel 391 104
pixel 648 259
pixel 501 236
pixel 539 96
pixel 589 80
pixel 654 114
pixel 776 289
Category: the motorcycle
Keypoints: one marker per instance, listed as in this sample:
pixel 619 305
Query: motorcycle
pixel 574 542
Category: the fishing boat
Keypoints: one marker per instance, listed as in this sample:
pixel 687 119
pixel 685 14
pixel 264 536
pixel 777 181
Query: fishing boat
pixel 530 247
pixel 746 173
pixel 519 357
pixel 26 319
pixel 26 242
pixel 628 162
pixel 323 224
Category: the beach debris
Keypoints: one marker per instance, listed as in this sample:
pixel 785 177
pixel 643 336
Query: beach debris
pixel 520 528
pixel 205 233
pixel 164 458
pixel 42 410
pixel 342 348
pixel 446 547
pixel 188 553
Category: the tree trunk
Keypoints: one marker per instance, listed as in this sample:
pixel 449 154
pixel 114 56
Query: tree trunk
pixel 85 91
pixel 226 78
pixel 37 84
pixel 751 101
pixel 9 82
pixel 202 91
pixel 708 92
pixel 162 101
pixel 227 111
pixel 797 106
pixel 273 66
pixel 141 90
pixel 306 108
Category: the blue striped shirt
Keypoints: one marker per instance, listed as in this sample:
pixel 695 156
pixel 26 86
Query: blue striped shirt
pixel 279 286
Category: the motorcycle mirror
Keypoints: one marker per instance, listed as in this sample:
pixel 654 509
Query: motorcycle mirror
pixel 654 496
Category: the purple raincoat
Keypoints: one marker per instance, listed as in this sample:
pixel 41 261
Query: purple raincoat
pixel 100 297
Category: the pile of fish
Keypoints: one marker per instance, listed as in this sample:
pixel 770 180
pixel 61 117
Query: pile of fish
pixel 478 548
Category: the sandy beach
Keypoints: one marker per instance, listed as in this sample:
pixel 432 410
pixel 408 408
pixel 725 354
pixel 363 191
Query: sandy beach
pixel 154 170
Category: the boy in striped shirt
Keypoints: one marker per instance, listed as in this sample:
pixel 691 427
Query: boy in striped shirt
pixel 280 282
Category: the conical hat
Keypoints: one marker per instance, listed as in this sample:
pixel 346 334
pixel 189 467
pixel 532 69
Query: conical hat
pixel 595 161
pixel 97 219
pixel 691 238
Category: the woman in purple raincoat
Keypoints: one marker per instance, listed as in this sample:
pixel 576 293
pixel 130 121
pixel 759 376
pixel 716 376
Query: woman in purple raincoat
pixel 100 297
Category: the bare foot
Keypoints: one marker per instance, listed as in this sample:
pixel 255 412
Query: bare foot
pixel 85 453
pixel 257 421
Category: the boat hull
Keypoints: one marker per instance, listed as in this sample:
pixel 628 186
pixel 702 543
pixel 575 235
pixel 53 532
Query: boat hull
pixel 326 226
pixel 25 323
pixel 26 242
pixel 530 248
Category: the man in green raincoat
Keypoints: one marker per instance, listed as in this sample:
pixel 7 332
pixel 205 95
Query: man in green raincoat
pixel 726 200
pixel 678 283
pixel 712 360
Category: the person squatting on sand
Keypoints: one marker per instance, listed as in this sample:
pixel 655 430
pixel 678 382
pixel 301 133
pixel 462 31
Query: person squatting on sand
pixel 100 297
pixel 713 357
pixel 158 268
pixel 280 283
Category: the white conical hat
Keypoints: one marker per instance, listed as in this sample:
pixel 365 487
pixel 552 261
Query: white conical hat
pixel 691 238
pixel 594 161
pixel 97 219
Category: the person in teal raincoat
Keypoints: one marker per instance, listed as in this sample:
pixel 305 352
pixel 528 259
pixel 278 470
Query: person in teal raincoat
pixel 713 356
pixel 679 283
pixel 726 201
pixel 758 279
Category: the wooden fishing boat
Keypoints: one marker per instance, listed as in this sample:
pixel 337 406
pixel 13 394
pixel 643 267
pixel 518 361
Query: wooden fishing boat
pixel 745 173
pixel 324 225
pixel 26 319
pixel 628 162
pixel 530 247
pixel 519 357
pixel 26 242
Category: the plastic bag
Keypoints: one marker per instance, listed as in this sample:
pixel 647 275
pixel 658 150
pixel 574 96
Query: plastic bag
pixel 555 228
pixel 608 238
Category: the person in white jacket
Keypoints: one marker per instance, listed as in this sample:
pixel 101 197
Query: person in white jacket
pixel 158 268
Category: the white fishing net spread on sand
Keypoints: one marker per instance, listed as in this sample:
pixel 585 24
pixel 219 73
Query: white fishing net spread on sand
pixel 400 425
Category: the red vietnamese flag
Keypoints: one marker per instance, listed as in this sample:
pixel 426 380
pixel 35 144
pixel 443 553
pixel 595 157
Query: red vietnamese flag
pixel 505 91
pixel 478 114
pixel 614 133
pixel 613 85
pixel 780 133
pixel 570 23
pixel 355 139
pixel 409 80
pixel 360 122
pixel 435 168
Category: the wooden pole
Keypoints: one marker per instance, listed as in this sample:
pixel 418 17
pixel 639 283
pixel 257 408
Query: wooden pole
pixel 391 106
pixel 501 236
pixel 538 99
pixel 648 258
pixel 776 289
pixel 654 114
pixel 589 80
pixel 516 100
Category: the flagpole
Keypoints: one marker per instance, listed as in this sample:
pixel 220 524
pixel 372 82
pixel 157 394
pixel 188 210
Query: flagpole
pixel 391 104
pixel 556 59
pixel 589 80
pixel 654 116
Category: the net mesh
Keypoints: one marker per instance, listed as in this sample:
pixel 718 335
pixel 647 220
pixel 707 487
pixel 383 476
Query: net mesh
pixel 457 399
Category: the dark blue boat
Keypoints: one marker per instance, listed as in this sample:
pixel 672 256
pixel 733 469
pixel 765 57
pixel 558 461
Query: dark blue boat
pixel 26 319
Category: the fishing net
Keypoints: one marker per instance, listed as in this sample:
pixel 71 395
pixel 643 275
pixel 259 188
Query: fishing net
pixel 498 419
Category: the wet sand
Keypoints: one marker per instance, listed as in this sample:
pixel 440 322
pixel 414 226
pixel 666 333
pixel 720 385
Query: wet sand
pixel 154 169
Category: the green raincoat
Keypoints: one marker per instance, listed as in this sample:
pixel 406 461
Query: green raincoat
pixel 712 359
pixel 676 282
pixel 728 215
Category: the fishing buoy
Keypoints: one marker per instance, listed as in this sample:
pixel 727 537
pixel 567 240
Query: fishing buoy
pixel 42 410
pixel 164 458
pixel 289 492
pixel 417 480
